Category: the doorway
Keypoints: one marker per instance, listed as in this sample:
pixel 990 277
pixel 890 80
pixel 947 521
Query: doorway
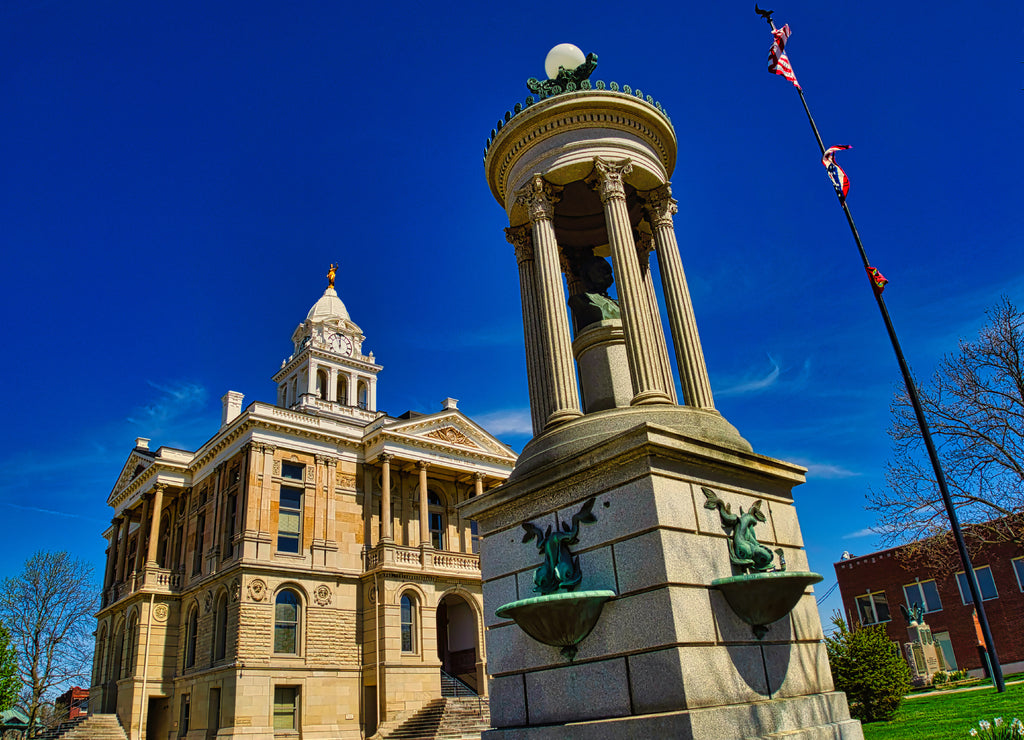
pixel 456 640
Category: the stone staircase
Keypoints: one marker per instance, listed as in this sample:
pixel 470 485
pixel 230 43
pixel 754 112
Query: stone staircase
pixel 462 718
pixel 93 727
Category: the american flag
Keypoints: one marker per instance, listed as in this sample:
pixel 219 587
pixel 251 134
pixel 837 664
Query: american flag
pixel 835 172
pixel 778 62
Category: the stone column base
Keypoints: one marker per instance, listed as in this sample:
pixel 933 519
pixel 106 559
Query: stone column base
pixel 817 717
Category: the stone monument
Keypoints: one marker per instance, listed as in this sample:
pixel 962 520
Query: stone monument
pixel 643 569
pixel 922 653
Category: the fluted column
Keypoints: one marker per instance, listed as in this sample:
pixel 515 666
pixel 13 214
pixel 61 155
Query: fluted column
pixel 693 373
pixel 154 524
pixel 110 577
pixel 556 350
pixel 139 553
pixel 644 247
pixel 122 550
pixel 424 509
pixel 637 324
pixel 385 496
pixel 539 387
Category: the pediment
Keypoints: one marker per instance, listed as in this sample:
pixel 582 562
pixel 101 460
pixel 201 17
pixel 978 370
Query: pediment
pixel 133 468
pixel 451 428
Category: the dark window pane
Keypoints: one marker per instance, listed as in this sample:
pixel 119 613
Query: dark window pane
pixel 291 470
pixel 284 638
pixel 286 543
pixel 291 498
pixel 932 602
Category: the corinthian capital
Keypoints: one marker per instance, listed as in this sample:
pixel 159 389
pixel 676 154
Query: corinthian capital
pixel 661 206
pixel 521 239
pixel 644 247
pixel 539 196
pixel 609 178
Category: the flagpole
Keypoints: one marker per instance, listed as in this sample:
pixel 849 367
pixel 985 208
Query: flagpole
pixel 915 401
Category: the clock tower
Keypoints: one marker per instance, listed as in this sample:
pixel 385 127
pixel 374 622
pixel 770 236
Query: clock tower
pixel 327 373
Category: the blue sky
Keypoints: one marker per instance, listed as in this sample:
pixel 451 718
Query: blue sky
pixel 177 177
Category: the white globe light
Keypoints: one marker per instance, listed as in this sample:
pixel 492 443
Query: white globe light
pixel 563 55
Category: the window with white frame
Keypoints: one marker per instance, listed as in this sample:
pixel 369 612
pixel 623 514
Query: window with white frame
pixel 289 520
pixel 1018 568
pixel 924 593
pixel 872 608
pixel 986 584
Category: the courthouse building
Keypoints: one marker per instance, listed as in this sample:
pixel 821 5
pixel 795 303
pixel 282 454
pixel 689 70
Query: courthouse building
pixel 262 585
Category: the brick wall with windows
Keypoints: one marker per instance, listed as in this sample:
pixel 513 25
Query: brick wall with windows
pixel 873 587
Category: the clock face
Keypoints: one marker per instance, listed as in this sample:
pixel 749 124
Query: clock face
pixel 340 343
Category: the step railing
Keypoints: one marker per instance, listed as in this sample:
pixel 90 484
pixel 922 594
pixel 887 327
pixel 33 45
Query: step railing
pixel 461 689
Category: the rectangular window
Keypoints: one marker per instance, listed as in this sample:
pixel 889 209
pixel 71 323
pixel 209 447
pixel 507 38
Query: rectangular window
pixel 289 520
pixel 227 546
pixel 213 720
pixel 474 538
pixel 985 583
pixel 286 709
pixel 1018 568
pixel 873 608
pixel 197 556
pixel 292 471
pixel 437 531
pixel 924 593
pixel 185 715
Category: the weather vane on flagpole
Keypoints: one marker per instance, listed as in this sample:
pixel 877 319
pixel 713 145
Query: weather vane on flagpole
pixel 778 63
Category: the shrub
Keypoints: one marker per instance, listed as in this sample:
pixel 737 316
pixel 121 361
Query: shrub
pixel 867 665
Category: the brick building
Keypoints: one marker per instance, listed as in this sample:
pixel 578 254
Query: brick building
pixel 262 585
pixel 873 587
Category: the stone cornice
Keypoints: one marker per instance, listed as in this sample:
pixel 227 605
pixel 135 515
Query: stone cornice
pixel 358 363
pixel 593 109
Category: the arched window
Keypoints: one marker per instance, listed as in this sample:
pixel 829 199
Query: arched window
pixel 343 390
pixel 117 656
pixel 220 628
pixel 321 384
pixel 362 401
pixel 408 623
pixel 437 523
pixel 132 643
pixel 191 637
pixel 286 623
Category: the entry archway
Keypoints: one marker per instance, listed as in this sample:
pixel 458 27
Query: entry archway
pixel 457 634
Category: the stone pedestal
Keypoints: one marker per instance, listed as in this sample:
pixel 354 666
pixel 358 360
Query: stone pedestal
pixel 600 351
pixel 668 657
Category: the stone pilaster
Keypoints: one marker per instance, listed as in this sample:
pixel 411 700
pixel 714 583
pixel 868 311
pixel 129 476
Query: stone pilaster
pixel 115 561
pixel 537 380
pixel 540 197
pixel 644 247
pixel 424 510
pixel 693 373
pixel 637 323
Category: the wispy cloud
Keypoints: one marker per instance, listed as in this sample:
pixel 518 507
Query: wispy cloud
pixel 52 512
pixel 826 471
pixel 174 401
pixel 507 421
pixel 867 532
pixel 755 384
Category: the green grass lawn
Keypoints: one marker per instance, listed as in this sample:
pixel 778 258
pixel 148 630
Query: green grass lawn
pixel 948 716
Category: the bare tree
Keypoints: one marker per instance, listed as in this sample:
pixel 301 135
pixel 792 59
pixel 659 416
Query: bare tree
pixel 975 407
pixel 48 610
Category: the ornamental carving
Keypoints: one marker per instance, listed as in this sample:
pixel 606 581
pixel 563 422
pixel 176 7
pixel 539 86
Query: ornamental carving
pixel 661 206
pixel 277 467
pixel 610 178
pixel 257 589
pixel 236 589
pixel 451 435
pixel 539 196
pixel 310 474
pixel 322 595
pixel 207 601
pixel 521 239
pixel 371 594
pixel 160 612
pixel 347 481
